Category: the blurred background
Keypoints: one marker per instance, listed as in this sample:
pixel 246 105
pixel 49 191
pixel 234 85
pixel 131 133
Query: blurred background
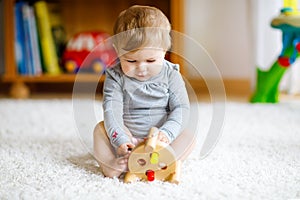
pixel 236 35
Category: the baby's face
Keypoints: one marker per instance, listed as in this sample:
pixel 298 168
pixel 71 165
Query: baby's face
pixel 142 64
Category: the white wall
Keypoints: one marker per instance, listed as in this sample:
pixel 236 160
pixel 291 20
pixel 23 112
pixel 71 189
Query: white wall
pixel 223 28
pixel 267 40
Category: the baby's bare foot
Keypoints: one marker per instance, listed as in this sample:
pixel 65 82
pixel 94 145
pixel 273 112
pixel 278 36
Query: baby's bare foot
pixel 115 168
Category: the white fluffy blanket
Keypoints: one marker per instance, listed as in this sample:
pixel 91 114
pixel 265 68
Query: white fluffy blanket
pixel 42 156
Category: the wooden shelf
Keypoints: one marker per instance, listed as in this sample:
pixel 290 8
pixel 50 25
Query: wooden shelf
pixel 69 78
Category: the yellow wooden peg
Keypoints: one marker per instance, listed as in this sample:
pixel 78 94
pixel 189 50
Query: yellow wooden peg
pixel 154 158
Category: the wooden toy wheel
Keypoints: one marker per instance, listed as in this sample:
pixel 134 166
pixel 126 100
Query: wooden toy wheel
pixel 153 160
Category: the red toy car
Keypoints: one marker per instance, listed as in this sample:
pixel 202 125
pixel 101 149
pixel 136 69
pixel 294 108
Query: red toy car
pixel 89 52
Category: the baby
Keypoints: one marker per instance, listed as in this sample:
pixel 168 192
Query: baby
pixel 142 91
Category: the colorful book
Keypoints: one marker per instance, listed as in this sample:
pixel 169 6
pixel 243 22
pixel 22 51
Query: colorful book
pixel 35 50
pixel 20 49
pixel 27 39
pixel 50 59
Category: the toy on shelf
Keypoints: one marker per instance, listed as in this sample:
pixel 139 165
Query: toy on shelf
pixel 89 52
pixel 153 160
pixel 268 81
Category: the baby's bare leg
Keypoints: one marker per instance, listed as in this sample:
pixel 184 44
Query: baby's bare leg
pixel 184 144
pixel 105 154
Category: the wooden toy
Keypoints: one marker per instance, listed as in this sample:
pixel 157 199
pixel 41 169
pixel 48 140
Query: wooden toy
pixel 153 160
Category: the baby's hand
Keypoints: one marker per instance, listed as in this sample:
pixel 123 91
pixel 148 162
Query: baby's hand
pixel 163 138
pixel 125 149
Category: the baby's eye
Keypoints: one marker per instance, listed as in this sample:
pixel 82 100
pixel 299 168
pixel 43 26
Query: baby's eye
pixel 131 61
pixel 150 61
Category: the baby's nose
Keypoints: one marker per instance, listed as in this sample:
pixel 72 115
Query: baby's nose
pixel 141 67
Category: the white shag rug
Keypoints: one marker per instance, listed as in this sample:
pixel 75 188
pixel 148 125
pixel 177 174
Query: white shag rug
pixel 43 157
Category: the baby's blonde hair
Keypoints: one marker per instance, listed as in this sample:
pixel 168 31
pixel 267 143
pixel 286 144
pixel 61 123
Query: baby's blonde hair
pixel 142 26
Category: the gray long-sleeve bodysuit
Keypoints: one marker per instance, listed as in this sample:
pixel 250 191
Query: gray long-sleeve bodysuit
pixel 161 101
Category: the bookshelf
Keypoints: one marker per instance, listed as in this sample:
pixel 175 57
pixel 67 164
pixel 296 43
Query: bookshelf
pixel 77 16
